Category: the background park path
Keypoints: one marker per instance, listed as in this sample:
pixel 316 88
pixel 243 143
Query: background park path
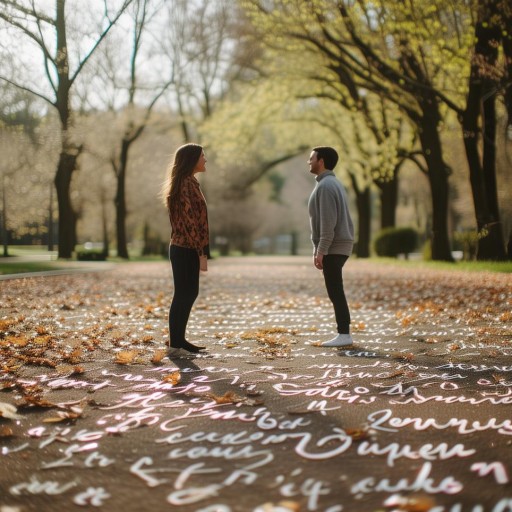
pixel 415 416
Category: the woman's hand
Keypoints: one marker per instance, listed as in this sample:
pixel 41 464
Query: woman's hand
pixel 203 263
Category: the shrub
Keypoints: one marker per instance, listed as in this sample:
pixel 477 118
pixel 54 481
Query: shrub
pixel 391 242
pixel 91 256
pixel 468 240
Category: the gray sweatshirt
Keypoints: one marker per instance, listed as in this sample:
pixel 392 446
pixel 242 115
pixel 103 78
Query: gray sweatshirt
pixel 332 230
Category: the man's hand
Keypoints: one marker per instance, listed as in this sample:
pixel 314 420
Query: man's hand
pixel 319 261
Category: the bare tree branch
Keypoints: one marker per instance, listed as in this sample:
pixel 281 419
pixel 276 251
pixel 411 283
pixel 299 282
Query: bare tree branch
pixel 99 40
pixel 27 89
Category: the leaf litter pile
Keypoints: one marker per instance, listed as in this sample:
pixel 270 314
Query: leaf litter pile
pixel 59 324
pixel 261 313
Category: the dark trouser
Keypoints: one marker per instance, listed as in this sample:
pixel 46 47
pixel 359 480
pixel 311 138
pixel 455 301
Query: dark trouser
pixel 185 273
pixel 333 276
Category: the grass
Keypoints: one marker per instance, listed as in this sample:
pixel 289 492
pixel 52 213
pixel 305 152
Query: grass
pixel 50 262
pixel 471 266
pixel 25 259
pixel 20 267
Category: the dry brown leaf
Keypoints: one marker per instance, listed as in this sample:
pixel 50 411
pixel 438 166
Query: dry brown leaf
pixel 35 401
pixel 282 506
pixel 357 434
pixel 158 356
pixel 12 366
pixel 413 503
pixel 506 317
pixel 6 431
pixel 74 356
pixel 6 323
pixel 63 416
pixel 8 384
pixel 397 373
pixel 18 340
pixel 126 357
pixel 44 339
pixel 228 398
pixel 407 356
pixel 173 378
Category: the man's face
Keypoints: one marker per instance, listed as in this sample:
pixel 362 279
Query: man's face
pixel 315 165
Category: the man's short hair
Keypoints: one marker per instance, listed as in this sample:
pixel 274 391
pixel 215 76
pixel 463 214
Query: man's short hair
pixel 328 155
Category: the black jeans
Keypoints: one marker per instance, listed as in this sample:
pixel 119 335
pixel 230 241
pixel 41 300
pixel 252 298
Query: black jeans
pixel 333 276
pixel 185 273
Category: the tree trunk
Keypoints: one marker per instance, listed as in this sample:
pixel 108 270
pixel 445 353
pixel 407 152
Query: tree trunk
pixel 67 216
pixel 50 219
pixel 104 223
pixel 69 153
pixel 364 225
pixel 492 246
pixel 438 178
pixel 120 201
pixel 364 217
pixel 4 219
pixel 482 171
pixel 388 201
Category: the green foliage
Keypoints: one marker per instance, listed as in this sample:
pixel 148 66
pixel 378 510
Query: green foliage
pixel 91 256
pixel 468 240
pixel 22 267
pixel 427 251
pixel 277 182
pixel 391 242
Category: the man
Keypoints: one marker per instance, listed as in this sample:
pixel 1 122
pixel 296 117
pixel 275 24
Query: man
pixel 332 234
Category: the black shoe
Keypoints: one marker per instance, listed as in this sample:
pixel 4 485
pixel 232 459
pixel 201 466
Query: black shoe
pixel 190 347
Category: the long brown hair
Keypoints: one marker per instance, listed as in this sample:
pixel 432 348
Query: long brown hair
pixel 182 166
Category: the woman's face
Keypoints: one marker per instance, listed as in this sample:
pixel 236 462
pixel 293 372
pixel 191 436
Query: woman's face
pixel 201 164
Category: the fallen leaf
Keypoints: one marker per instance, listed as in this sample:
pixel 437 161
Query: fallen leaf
pixel 413 503
pixel 407 356
pixel 282 506
pixel 63 416
pixel 228 398
pixel 35 401
pixel 357 434
pixel 158 356
pixel 6 431
pixel 126 357
pixel 9 411
pixel 173 378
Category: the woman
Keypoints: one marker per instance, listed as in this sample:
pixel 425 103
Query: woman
pixel 189 248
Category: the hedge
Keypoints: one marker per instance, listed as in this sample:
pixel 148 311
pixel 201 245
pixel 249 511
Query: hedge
pixel 390 242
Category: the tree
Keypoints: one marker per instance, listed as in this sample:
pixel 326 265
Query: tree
pixel 492 29
pixel 135 114
pixel 61 64
pixel 401 52
pixel 199 42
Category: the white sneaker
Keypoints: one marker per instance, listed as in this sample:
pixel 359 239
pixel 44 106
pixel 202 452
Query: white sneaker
pixel 342 340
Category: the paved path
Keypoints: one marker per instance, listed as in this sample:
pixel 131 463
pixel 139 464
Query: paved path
pixel 415 416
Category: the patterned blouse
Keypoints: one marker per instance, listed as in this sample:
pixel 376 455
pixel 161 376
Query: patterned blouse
pixel 189 218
